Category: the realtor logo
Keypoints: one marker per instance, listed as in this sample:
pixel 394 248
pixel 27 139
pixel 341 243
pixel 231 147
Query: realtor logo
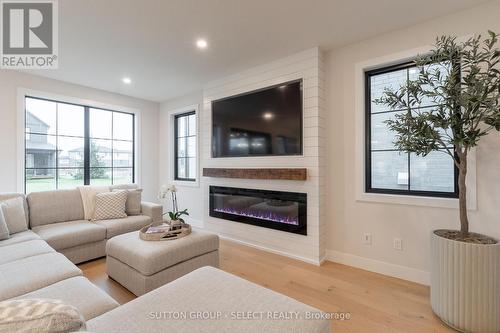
pixel 29 34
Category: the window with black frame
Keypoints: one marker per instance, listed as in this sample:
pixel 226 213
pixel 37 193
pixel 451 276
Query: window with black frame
pixel 389 170
pixel 68 145
pixel 185 160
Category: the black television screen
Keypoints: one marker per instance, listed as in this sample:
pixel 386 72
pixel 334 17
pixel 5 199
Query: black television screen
pixel 259 123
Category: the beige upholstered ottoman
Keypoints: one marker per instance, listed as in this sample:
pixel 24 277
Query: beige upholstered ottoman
pixel 141 266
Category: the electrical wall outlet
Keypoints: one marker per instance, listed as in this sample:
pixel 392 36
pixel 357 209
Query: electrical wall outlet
pixel 367 239
pixel 398 244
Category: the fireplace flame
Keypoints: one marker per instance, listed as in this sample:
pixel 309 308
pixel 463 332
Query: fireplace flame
pixel 268 216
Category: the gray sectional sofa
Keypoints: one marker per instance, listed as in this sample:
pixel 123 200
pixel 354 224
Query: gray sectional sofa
pixel 58 218
pixel 39 262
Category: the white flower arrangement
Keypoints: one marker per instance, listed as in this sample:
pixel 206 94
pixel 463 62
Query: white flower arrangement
pixel 164 190
pixel 175 214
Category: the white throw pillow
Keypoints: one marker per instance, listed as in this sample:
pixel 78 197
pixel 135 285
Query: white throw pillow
pixel 133 204
pixel 110 205
pixel 14 214
pixel 4 231
pixel 88 194
pixel 39 315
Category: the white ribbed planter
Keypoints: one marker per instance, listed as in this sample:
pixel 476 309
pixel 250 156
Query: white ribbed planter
pixel 465 284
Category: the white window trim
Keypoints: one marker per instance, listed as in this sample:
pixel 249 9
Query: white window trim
pixel 171 146
pixel 361 194
pixel 21 107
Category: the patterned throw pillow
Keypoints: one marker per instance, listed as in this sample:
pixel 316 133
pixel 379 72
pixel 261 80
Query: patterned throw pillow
pixel 39 315
pixel 110 205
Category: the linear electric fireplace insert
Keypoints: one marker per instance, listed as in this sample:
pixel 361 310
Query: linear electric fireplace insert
pixel 286 211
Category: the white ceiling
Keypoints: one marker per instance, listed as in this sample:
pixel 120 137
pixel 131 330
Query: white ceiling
pixel 153 41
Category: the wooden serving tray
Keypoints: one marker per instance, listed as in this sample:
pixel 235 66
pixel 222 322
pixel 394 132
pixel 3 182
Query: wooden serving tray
pixel 168 235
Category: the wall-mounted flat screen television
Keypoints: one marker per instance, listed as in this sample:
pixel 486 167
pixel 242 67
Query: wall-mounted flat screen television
pixel 259 123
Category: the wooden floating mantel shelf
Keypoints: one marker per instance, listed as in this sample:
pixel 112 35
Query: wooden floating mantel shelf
pixel 254 173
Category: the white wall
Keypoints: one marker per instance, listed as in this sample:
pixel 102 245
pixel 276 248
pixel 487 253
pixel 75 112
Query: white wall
pixel 348 218
pixel 10 81
pixel 308 66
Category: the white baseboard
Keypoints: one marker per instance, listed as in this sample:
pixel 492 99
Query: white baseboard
pixel 285 254
pixel 372 265
pixel 381 267
pixel 323 258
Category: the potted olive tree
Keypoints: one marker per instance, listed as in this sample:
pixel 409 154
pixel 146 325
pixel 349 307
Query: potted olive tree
pixel 463 80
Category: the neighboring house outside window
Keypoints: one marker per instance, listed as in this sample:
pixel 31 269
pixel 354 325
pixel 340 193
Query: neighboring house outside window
pixel 39 152
pixel 69 145
pixel 185 159
pixel 389 170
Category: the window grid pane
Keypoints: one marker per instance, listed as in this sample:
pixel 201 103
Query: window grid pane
pixel 393 171
pixel 123 126
pixel 122 175
pixel 40 180
pixel 100 153
pixel 69 178
pixel 433 172
pixel 185 146
pixel 101 176
pixel 56 146
pixel 101 124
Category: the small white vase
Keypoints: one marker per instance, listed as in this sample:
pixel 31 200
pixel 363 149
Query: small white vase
pixel 465 284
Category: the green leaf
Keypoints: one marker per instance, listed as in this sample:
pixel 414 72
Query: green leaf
pixel 466 94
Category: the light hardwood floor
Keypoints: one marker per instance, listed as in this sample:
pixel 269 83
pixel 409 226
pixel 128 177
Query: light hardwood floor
pixel 376 303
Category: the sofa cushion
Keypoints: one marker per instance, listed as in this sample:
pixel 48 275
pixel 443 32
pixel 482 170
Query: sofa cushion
pixel 23 250
pixel 6 196
pixel 134 199
pixel 151 257
pixel 122 226
pixel 28 274
pixel 64 235
pixel 133 205
pixel 19 237
pixel 39 315
pixel 211 291
pixel 14 214
pixel 4 230
pixel 79 292
pixel 110 205
pixel 123 187
pixel 54 206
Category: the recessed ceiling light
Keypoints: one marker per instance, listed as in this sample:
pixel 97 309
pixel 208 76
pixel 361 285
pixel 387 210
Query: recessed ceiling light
pixel 201 44
pixel 127 80
pixel 268 115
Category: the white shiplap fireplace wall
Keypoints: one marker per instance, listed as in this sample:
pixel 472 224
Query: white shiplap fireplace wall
pixel 308 66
